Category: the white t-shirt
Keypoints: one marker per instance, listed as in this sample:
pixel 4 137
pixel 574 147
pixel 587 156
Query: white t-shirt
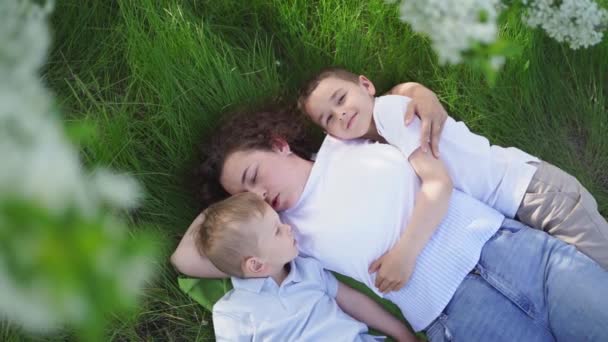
pixel 495 175
pixel 354 207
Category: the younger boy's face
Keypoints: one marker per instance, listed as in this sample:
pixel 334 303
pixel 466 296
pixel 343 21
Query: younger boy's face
pixel 342 108
pixel 276 242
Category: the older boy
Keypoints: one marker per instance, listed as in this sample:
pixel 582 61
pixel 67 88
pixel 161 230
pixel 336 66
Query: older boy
pixel 277 295
pixel 508 179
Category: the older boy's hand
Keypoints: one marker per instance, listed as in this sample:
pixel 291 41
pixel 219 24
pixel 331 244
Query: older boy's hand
pixel 427 107
pixel 394 269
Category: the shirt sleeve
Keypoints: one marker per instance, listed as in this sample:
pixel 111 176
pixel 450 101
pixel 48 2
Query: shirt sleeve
pixel 389 111
pixel 233 328
pixel 331 283
pixel 327 280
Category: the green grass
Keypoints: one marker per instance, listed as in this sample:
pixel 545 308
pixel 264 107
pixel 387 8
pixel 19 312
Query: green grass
pixel 154 75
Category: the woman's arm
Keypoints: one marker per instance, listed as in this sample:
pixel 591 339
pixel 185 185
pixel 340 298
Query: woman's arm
pixel 364 309
pixel 431 205
pixel 426 105
pixel 189 261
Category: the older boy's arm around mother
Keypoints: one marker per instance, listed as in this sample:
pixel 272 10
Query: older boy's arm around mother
pixel 396 266
pixel 188 260
pixel 425 105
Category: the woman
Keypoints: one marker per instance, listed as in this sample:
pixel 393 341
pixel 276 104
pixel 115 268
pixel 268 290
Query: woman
pixel 479 278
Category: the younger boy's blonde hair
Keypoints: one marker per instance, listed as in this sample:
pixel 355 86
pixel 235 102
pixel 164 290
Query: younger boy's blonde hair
pixel 227 236
pixel 314 81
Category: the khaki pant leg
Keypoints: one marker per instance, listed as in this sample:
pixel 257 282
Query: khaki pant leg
pixel 559 204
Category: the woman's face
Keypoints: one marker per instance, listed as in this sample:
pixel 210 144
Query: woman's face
pixel 277 176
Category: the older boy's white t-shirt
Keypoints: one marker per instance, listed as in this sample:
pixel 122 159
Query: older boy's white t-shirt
pixel 495 175
pixel 355 205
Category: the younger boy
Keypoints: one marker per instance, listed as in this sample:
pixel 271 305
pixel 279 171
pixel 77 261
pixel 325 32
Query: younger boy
pixel 277 295
pixel 508 179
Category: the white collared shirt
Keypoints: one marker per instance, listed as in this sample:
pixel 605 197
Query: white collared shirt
pixel 302 308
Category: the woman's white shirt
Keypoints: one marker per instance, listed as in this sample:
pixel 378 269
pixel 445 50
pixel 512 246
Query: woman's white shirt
pixel 355 204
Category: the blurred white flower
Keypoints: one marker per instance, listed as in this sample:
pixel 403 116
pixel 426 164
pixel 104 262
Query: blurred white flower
pixel 24 306
pixel 579 23
pixel 452 25
pixel 118 189
pixel 496 62
pixel 51 254
pixel 133 275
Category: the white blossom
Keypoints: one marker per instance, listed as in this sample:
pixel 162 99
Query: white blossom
pixel 579 23
pixel 39 164
pixel 496 62
pixel 452 25
pixel 41 168
pixel 26 306
pixel 118 189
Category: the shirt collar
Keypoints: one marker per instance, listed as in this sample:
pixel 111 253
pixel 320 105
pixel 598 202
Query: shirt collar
pixel 257 284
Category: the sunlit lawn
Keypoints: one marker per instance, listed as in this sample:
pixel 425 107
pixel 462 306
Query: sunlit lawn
pixel 154 76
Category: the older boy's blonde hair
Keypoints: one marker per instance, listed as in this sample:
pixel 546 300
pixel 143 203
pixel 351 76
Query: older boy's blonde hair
pixel 314 81
pixel 226 235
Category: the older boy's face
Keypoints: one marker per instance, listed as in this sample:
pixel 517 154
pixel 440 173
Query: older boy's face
pixel 342 108
pixel 276 241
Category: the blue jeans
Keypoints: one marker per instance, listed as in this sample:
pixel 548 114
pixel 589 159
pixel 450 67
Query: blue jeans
pixel 527 286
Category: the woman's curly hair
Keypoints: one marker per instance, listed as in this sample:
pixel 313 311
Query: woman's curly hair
pixel 243 130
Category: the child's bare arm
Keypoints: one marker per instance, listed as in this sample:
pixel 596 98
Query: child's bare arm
pixel 431 204
pixel 364 309
pixel 426 105
pixel 189 261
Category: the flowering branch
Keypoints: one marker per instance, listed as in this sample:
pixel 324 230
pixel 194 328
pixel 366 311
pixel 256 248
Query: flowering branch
pixel 65 256
pixel 454 27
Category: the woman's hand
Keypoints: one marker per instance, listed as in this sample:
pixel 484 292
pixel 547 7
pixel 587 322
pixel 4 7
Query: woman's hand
pixel 427 107
pixel 189 260
pixel 394 269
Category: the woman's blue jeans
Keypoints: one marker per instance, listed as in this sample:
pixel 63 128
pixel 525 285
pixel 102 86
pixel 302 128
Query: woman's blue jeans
pixel 527 286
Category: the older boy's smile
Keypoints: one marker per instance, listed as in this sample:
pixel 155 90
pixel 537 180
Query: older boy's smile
pixel 351 120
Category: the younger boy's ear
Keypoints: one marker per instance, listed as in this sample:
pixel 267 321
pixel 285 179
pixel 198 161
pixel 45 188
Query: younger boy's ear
pixel 253 266
pixel 280 145
pixel 367 84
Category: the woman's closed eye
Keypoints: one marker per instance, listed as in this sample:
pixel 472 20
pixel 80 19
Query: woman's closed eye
pixel 329 118
pixel 255 176
pixel 341 99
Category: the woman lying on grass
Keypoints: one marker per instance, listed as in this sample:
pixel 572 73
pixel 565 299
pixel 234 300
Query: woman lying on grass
pixel 477 276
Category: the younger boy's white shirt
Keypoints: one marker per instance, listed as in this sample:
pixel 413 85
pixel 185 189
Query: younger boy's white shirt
pixel 302 308
pixel 493 174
